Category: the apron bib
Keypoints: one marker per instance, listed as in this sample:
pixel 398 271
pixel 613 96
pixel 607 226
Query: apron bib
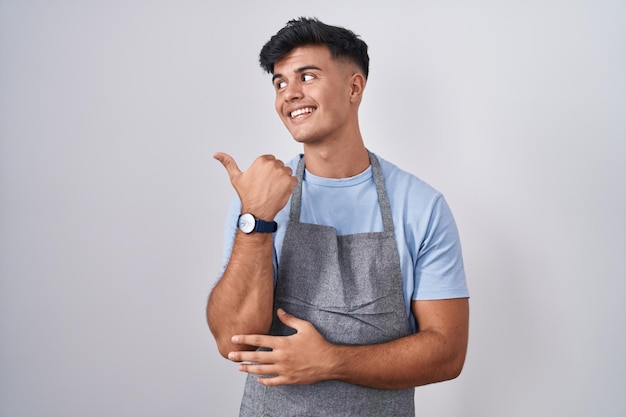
pixel 350 288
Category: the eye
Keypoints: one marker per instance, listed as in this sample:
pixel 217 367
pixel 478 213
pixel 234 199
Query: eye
pixel 280 84
pixel 307 77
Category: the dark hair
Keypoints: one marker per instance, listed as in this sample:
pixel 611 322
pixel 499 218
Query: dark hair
pixel 343 43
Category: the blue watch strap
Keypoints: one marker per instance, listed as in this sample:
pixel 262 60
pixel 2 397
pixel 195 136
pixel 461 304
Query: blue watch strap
pixel 265 227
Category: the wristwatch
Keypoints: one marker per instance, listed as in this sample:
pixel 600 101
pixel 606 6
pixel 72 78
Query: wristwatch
pixel 247 223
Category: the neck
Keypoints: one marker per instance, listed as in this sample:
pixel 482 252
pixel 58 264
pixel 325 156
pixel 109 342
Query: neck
pixel 338 160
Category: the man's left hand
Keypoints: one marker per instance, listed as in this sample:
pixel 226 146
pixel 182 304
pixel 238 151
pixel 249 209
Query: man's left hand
pixel 302 358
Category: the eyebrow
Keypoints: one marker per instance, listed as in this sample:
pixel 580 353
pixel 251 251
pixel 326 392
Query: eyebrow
pixel 298 71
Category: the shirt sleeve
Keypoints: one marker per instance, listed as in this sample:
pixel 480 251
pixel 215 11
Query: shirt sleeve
pixel 439 271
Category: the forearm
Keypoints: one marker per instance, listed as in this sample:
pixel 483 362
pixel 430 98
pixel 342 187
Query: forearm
pixel 242 300
pixel 435 354
pixel 419 359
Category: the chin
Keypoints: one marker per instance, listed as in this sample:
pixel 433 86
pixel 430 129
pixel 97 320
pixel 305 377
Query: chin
pixel 299 137
pixel 302 136
pixel 304 140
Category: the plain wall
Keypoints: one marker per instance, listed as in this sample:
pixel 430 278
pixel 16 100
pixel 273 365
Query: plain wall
pixel 112 208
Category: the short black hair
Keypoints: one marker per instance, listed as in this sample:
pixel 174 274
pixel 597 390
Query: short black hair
pixel 341 42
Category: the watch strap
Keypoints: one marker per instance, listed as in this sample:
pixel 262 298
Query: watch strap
pixel 265 227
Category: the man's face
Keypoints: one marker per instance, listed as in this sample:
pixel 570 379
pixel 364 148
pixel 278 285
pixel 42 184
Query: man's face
pixel 313 94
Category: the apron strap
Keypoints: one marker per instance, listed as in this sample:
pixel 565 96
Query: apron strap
pixel 383 201
pixel 296 196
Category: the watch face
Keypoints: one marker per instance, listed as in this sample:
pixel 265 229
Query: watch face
pixel 246 223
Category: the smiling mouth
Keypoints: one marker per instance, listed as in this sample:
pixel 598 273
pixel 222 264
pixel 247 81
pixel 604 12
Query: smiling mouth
pixel 300 112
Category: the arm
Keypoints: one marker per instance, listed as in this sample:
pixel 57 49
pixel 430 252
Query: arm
pixel 242 300
pixel 436 353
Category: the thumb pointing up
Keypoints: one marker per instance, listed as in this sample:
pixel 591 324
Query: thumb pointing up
pixel 229 163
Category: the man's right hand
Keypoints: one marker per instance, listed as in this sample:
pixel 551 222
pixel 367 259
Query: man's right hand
pixel 264 188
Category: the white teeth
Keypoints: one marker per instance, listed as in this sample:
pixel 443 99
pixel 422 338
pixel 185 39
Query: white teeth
pixel 298 112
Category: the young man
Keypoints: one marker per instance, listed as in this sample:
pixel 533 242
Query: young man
pixel 358 294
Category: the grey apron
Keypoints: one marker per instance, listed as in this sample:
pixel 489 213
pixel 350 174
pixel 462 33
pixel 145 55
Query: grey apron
pixel 350 288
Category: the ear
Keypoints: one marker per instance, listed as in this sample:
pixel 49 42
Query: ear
pixel 357 85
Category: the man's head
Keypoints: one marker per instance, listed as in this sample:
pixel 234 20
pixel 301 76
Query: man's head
pixel 342 43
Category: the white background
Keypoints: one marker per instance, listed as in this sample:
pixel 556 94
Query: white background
pixel 111 206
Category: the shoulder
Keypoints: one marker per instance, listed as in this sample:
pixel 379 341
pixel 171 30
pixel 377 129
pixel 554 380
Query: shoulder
pixel 406 187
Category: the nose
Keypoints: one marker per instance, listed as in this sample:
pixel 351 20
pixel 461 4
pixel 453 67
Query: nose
pixel 293 91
